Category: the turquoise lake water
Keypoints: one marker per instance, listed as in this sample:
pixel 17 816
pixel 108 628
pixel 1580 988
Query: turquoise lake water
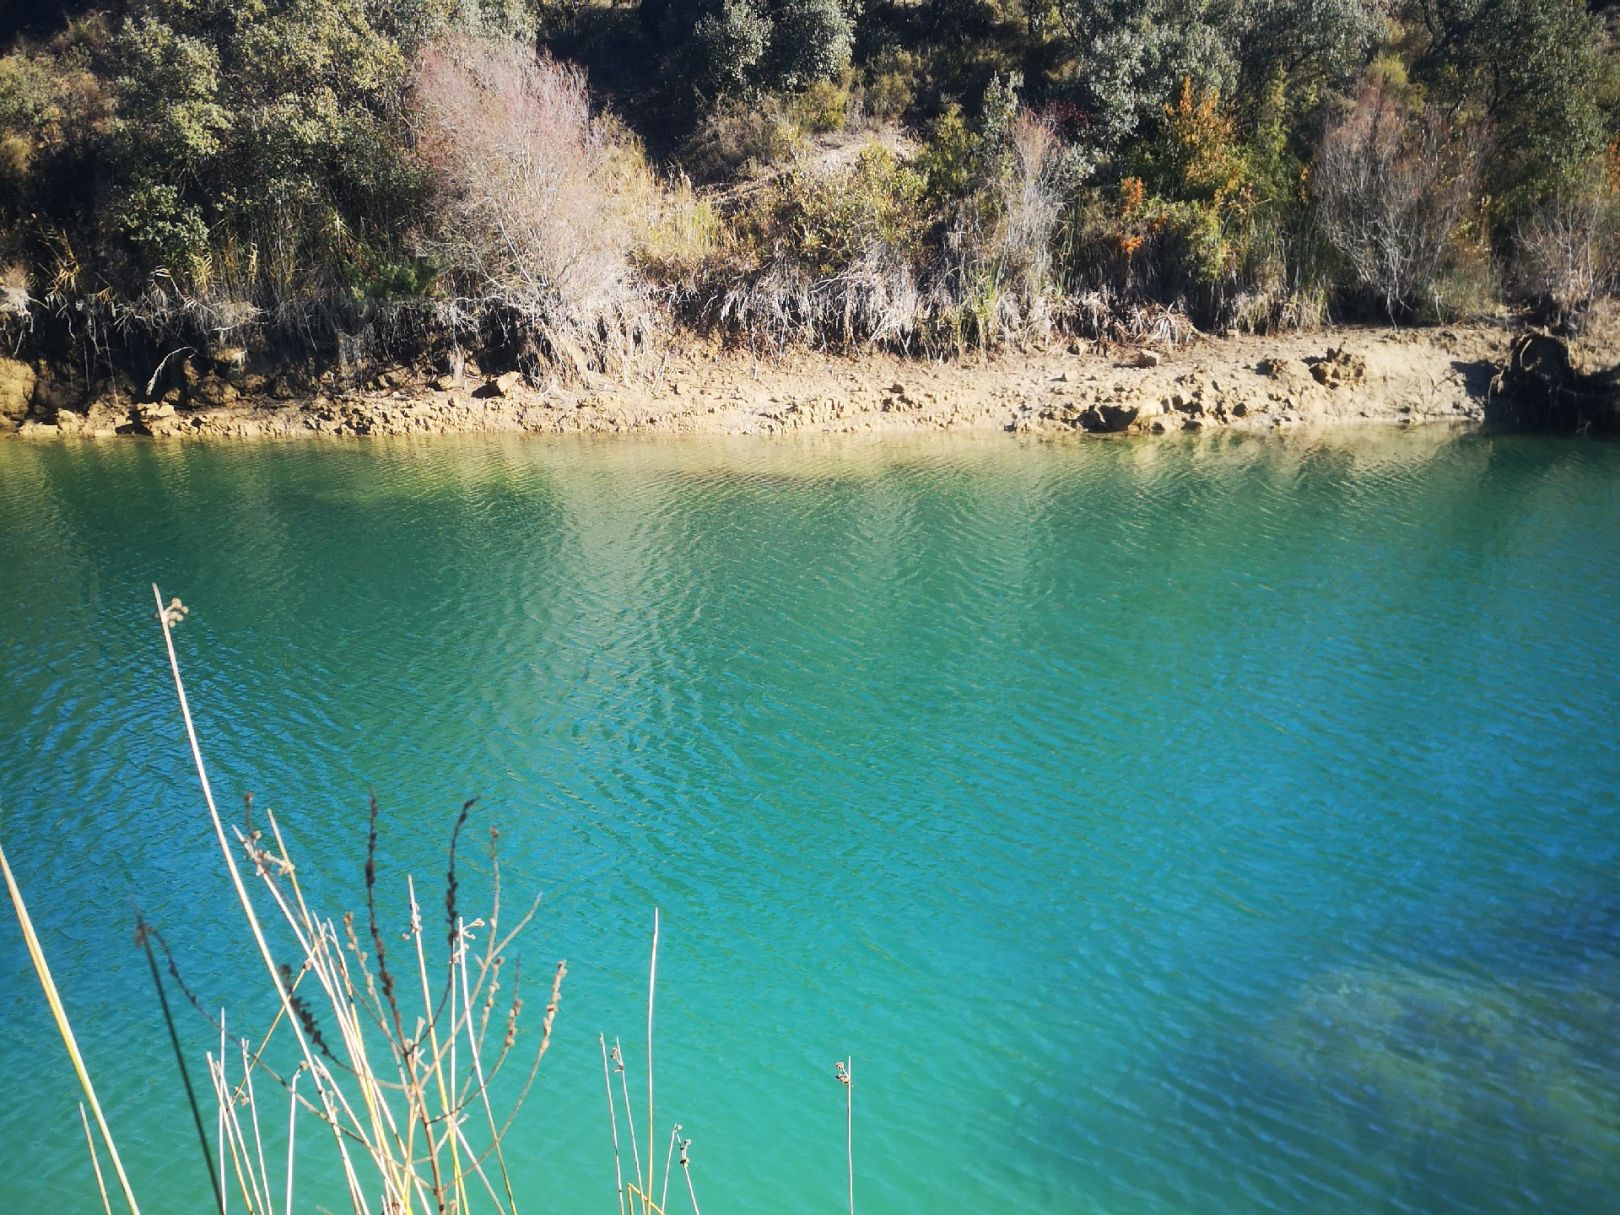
pixel 1212 826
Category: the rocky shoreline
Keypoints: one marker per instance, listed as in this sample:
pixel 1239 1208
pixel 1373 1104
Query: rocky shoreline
pixel 1337 377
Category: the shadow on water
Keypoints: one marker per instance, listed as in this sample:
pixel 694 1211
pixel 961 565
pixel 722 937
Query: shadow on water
pixel 1477 1073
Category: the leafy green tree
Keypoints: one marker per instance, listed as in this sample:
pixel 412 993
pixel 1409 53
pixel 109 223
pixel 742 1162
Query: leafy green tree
pixel 1127 56
pixel 811 40
pixel 725 47
pixel 719 48
pixel 1535 70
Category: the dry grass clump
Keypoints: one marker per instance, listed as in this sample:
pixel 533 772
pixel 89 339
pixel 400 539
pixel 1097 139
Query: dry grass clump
pixel 396 1053
pixel 875 253
pixel 392 1052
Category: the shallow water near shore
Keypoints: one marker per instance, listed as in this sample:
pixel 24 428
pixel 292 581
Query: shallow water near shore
pixel 1217 826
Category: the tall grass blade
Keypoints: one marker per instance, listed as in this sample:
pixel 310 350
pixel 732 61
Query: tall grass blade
pixel 669 1159
pixel 629 1116
pixel 292 1127
pixel 95 1160
pixel 846 1076
pixel 613 1121
pixel 652 983
pixel 686 1167
pixel 165 617
pixel 54 999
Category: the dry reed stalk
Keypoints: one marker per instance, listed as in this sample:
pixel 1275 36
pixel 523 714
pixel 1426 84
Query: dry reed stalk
pixel 686 1168
pixel 253 1107
pixel 846 1077
pixel 292 1128
pixel 483 1088
pixel 168 615
pixel 355 1008
pixel 652 982
pixel 219 1135
pixel 95 1162
pixel 669 1159
pixel 241 1165
pixel 52 997
pixel 613 1120
pixel 629 1115
pixel 433 1033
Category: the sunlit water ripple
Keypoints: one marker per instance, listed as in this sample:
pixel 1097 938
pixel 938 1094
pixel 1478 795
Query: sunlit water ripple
pixel 1225 826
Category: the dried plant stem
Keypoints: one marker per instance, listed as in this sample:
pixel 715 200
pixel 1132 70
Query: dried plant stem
pixel 52 997
pixel 95 1162
pixel 356 1195
pixel 224 847
pixel 652 983
pixel 849 1127
pixel 613 1121
pixel 483 1087
pixel 292 1128
pixel 219 1138
pixel 241 1162
pixel 669 1159
pixel 686 1167
pixel 629 1116
pixel 433 1037
pixel 253 1106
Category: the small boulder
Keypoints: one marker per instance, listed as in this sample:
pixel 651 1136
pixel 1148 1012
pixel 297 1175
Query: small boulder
pixel 1339 367
pixel 16 388
pixel 504 384
pixel 1117 417
pixel 1148 358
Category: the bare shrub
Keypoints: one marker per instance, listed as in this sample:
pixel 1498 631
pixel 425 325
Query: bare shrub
pixel 15 317
pixel 1563 256
pixel 530 218
pixel 1392 189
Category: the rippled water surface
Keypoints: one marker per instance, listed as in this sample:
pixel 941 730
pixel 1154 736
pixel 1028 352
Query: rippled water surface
pixel 1209 827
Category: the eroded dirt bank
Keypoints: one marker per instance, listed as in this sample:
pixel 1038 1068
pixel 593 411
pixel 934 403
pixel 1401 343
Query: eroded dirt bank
pixel 1332 377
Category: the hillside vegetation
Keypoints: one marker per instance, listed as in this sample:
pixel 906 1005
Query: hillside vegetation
pixel 345 184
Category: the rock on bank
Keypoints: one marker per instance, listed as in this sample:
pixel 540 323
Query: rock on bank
pixel 1340 377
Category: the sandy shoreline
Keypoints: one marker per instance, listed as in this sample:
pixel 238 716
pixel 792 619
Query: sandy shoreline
pixel 1335 377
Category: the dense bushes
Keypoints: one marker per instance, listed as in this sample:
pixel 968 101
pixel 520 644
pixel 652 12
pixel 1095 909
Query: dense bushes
pixel 297 174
